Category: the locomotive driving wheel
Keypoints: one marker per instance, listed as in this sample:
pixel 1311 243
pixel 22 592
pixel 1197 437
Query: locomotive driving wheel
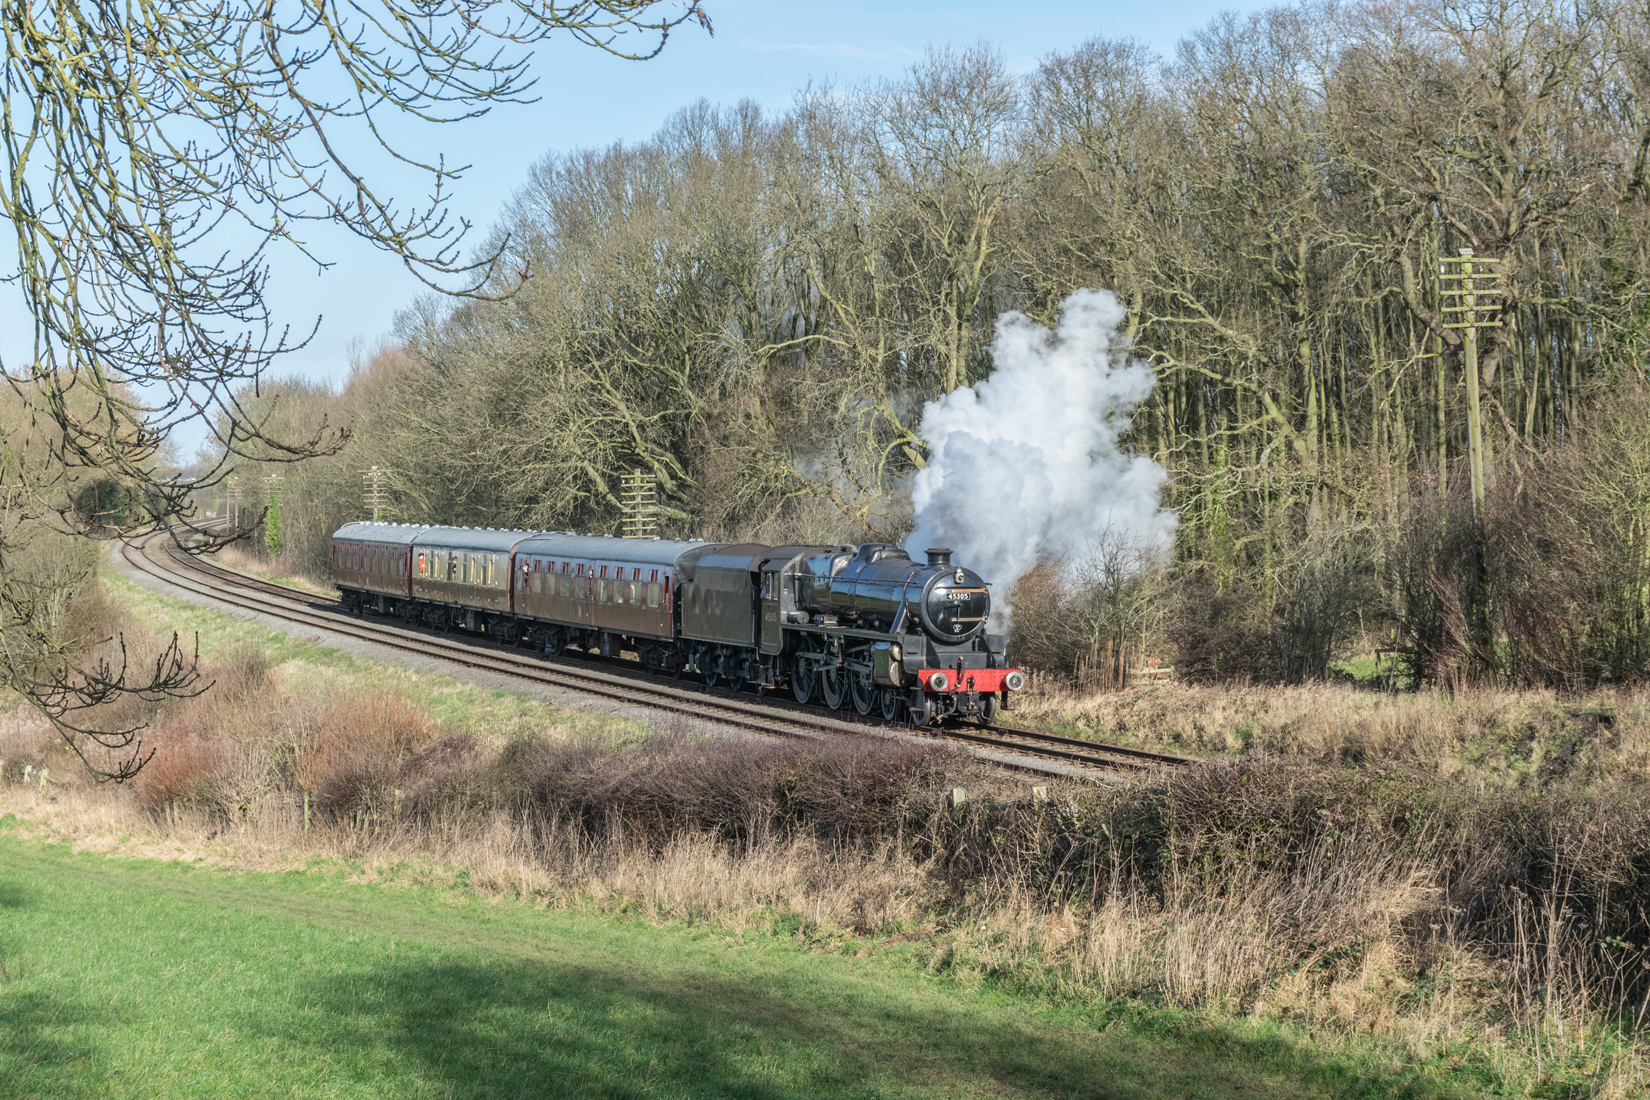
pixel 863 690
pixel 833 685
pixel 890 699
pixel 802 681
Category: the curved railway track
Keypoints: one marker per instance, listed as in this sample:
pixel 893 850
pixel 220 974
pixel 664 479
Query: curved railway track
pixel 158 555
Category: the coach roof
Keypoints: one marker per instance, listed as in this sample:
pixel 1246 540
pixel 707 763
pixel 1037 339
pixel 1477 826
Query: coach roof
pixel 470 538
pixel 394 534
pixel 639 551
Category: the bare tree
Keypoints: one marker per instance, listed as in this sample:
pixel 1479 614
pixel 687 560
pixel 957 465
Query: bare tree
pixel 154 155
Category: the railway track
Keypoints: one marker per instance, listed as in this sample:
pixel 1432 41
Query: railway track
pixel 159 555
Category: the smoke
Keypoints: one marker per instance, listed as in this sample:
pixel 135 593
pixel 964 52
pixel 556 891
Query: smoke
pixel 1025 463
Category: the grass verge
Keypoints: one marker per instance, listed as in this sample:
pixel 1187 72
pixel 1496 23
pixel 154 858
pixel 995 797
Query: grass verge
pixel 300 664
pixel 135 977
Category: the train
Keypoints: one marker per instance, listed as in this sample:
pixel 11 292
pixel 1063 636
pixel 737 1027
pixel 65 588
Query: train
pixel 862 626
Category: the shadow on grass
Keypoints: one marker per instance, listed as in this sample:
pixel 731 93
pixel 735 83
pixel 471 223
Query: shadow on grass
pixel 15 895
pixel 547 1030
pixel 33 1061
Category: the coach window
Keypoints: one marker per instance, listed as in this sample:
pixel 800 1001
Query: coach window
pixel 653 593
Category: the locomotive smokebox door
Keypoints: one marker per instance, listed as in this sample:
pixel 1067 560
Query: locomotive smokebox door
pixel 773 639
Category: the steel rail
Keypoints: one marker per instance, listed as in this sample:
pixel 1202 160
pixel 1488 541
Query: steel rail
pixel 774 716
pixel 1146 756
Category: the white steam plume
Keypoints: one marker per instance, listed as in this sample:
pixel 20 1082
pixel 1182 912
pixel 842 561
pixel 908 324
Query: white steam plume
pixel 1025 463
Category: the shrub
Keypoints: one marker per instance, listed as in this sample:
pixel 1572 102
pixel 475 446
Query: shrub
pixel 351 748
pixel 843 790
pixel 1219 633
pixel 1088 616
pixel 1568 553
pixel 186 767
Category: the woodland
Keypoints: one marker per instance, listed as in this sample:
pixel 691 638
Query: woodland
pixel 755 307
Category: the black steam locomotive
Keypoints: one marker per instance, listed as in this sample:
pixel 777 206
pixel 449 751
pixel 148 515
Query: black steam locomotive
pixel 864 625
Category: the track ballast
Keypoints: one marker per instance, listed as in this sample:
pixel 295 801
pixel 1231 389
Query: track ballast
pixel 159 555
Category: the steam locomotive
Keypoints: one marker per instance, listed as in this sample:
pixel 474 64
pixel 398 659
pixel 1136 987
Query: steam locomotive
pixel 845 625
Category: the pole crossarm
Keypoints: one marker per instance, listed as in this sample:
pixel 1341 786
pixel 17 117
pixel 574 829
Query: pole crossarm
pixel 638 493
pixel 374 490
pixel 1471 291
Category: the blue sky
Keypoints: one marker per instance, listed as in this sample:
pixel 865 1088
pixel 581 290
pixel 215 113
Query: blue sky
pixel 763 51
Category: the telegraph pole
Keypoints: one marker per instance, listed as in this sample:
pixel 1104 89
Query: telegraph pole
pixel 1471 291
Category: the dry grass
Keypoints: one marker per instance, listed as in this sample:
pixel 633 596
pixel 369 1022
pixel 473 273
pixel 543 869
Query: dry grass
pixel 1485 734
pixel 248 559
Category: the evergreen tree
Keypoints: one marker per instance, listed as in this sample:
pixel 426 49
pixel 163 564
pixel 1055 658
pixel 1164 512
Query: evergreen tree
pixel 272 525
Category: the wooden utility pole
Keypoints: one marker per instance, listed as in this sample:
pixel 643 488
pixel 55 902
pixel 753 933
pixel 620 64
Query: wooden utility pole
pixel 640 499
pixel 1471 291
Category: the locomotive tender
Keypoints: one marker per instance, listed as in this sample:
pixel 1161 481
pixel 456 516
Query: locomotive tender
pixel 845 625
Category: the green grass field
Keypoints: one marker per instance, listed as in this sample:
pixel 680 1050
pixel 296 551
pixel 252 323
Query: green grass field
pixel 123 977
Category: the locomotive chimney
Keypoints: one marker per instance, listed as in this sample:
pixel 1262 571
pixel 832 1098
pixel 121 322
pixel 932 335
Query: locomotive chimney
pixel 939 555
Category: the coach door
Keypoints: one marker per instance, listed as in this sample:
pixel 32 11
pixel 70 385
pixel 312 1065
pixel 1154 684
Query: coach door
pixel 773 639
